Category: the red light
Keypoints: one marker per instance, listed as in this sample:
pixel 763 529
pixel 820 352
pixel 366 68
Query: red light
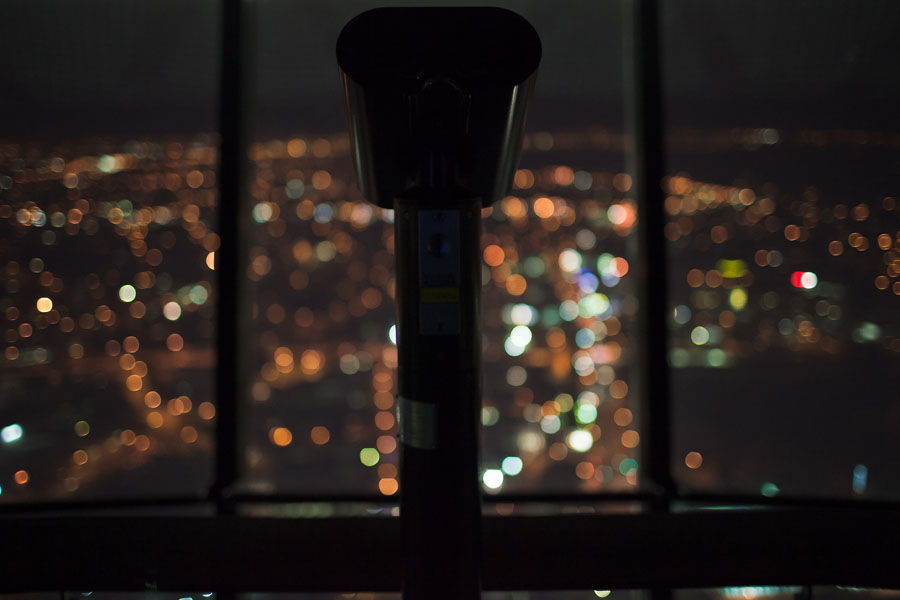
pixel 796 277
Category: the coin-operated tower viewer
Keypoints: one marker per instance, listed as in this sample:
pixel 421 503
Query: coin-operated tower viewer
pixel 436 101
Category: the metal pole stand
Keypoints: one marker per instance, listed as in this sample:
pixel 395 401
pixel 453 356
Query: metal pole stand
pixel 439 343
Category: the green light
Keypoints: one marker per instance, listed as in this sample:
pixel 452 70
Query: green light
pixel 869 332
pixel 716 357
pixel 294 189
pixel 198 294
pixel 593 305
pixel 627 465
pixel 769 489
pixel 679 358
pixel 127 293
pixel 534 266
pixel 586 413
pixel 369 457
pixel 550 317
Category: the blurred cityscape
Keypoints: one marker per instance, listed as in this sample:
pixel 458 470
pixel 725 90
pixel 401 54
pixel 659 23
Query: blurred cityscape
pixel 107 259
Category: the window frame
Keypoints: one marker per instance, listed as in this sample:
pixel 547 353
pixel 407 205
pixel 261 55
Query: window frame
pixel 663 544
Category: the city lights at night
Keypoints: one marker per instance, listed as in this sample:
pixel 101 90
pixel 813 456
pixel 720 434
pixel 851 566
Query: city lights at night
pixel 110 290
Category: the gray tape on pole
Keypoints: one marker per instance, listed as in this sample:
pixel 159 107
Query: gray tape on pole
pixel 417 423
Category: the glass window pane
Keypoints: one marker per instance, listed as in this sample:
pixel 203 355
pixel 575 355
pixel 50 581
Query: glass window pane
pixel 558 413
pixel 518 595
pixel 784 246
pixel 107 214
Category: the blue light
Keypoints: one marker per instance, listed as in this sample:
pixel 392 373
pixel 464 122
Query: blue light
pixel 588 282
pixel 323 213
pixel 585 338
pixel 860 478
pixel 609 279
pixel 512 465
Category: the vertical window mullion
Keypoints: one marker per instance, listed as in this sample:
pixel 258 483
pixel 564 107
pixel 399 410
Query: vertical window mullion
pixel 644 152
pixel 234 128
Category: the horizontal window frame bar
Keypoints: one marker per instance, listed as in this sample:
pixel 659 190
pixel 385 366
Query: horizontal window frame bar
pixel 728 500
pixel 819 546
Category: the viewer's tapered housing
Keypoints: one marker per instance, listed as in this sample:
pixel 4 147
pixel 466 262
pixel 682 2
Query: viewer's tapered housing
pixel 390 57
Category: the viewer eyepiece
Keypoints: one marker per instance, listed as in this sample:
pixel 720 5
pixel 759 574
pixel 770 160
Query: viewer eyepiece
pixel 436 97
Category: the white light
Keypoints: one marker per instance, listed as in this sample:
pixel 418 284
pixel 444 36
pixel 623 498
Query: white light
pixel 699 335
pixel 530 441
pixel 602 593
pixel 512 348
pixel 262 212
pixel 580 440
pixel 489 415
pixel 172 310
pixel 516 376
pixel 127 293
pixel 493 478
pixel 512 465
pixel 569 260
pixel 522 314
pixel 550 424
pixel 568 310
pixel 616 214
pixel 583 364
pixel 520 335
pixel 11 433
pixel 809 280
pixel 392 334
